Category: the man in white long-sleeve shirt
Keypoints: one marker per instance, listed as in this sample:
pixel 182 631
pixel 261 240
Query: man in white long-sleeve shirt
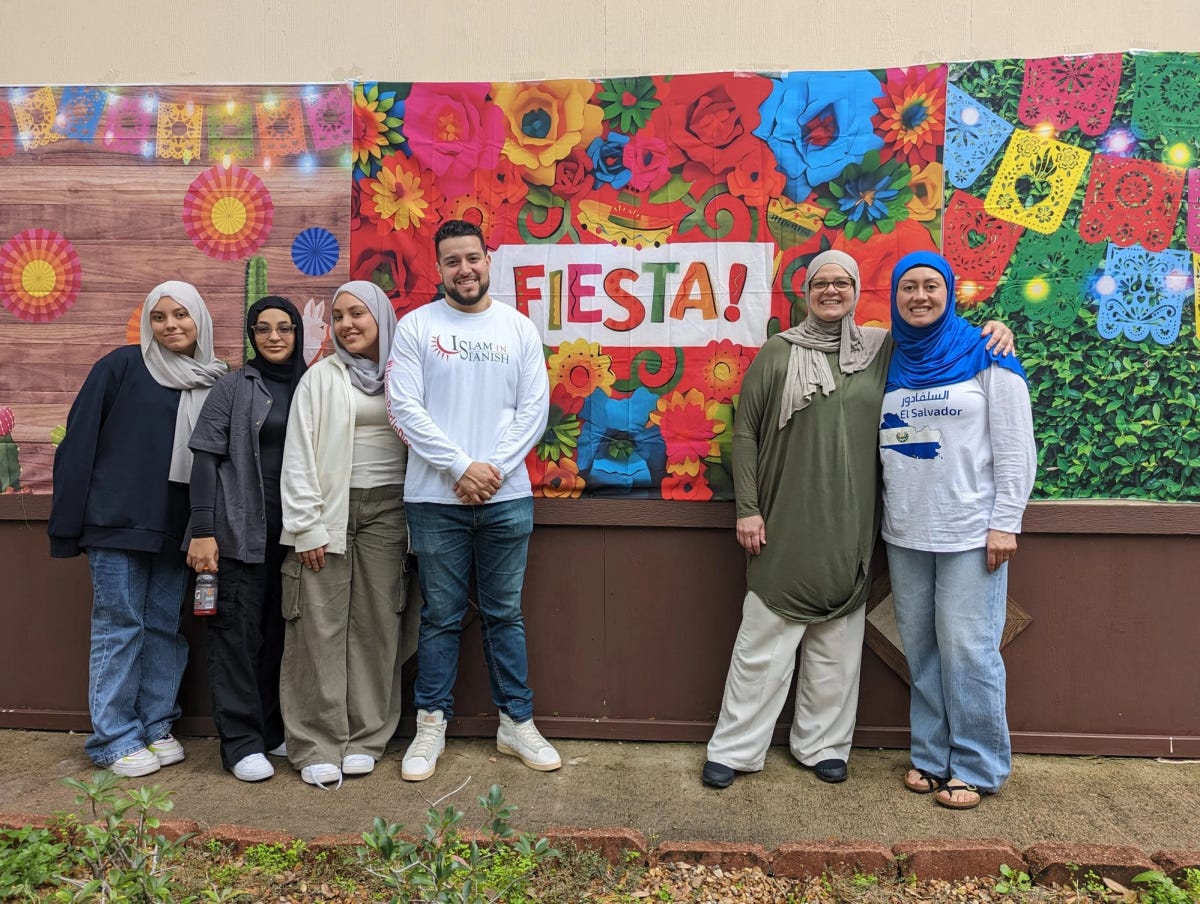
pixel 467 391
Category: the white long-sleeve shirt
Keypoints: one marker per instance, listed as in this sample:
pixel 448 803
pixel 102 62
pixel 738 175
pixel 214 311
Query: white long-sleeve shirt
pixel 466 387
pixel 958 460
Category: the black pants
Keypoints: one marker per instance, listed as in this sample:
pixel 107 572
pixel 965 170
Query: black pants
pixel 245 646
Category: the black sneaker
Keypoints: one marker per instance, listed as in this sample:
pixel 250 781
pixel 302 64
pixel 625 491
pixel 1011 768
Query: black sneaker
pixel 832 771
pixel 717 775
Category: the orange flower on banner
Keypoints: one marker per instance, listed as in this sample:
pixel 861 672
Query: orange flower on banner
pixel 755 178
pixel 580 368
pixel 555 479
pixel 683 486
pixel 724 367
pixel 228 213
pixel 926 185
pixel 688 425
pixel 912 113
pixel 543 121
pixel 501 183
pixel 401 196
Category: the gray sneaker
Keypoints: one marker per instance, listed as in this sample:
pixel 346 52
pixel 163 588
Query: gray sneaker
pixel 420 760
pixel 523 740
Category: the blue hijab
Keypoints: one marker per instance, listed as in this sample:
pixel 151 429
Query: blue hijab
pixel 947 351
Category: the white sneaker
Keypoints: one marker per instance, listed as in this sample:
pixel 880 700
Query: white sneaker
pixel 422 755
pixel 358 764
pixel 253 768
pixel 523 740
pixel 167 750
pixel 140 762
pixel 322 774
pixel 281 750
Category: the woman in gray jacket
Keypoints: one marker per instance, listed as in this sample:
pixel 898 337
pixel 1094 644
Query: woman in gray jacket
pixel 235 528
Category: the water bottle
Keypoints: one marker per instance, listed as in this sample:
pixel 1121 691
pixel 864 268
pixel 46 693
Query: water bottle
pixel 205 602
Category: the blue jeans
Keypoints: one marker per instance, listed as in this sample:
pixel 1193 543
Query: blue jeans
pixel 492 542
pixel 137 653
pixel 950 612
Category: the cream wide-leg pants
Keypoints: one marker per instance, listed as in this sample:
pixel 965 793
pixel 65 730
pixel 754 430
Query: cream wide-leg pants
pixel 764 657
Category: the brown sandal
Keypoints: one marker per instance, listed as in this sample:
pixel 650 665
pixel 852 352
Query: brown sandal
pixel 926 784
pixel 948 800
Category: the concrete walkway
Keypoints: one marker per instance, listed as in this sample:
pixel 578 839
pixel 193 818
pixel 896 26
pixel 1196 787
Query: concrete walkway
pixel 655 789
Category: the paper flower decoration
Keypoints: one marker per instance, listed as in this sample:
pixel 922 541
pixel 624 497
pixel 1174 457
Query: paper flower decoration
pixel 315 251
pixel 39 275
pixel 228 212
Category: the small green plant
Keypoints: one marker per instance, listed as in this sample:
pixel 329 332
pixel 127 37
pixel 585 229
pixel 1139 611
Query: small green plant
pixel 443 866
pixel 1161 888
pixel 29 859
pixel 864 880
pixel 120 853
pixel 1191 883
pixel 274 859
pixel 1012 880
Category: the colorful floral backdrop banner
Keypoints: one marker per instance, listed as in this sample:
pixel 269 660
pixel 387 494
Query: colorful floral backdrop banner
pixel 656 230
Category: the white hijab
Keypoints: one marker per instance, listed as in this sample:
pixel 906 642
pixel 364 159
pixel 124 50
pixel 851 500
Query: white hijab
pixel 193 376
pixel 365 374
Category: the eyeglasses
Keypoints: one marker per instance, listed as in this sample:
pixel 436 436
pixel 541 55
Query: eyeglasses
pixel 820 285
pixel 284 330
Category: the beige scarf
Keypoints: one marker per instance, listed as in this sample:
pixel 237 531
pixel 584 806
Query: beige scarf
pixel 808 368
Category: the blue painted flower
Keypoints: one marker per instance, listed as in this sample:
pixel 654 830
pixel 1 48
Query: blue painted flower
pixel 618 446
pixel 608 160
pixel 817 123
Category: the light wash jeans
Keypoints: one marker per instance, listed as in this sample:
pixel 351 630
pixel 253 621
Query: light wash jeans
pixel 452 542
pixel 950 612
pixel 137 653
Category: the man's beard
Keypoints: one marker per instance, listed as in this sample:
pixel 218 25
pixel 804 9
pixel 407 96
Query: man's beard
pixel 454 295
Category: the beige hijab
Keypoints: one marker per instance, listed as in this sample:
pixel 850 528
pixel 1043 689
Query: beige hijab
pixel 808 368
pixel 192 376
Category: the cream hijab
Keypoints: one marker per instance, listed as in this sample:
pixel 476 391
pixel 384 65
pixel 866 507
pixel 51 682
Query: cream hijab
pixel 808 368
pixel 192 376
pixel 367 375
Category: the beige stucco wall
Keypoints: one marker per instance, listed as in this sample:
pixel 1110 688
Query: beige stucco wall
pixel 171 41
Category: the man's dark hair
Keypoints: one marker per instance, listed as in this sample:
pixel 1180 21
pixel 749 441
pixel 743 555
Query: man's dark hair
pixel 455 229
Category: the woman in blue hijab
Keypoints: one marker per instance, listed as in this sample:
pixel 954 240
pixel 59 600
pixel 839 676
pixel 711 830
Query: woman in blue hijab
pixel 956 442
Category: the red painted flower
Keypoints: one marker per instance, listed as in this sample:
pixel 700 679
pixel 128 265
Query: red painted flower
pixel 573 175
pixel 646 158
pixel 688 428
pixel 912 113
pixel 684 486
pixel 502 183
pixel 554 479
pixel 710 119
pixel 755 178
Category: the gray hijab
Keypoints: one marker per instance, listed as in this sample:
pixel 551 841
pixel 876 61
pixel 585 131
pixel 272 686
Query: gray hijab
pixel 192 376
pixel 808 368
pixel 365 374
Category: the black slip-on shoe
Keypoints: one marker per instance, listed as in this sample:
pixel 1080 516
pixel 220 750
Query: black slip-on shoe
pixel 717 775
pixel 832 771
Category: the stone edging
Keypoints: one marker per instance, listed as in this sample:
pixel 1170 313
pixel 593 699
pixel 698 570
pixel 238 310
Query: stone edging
pixel 1047 862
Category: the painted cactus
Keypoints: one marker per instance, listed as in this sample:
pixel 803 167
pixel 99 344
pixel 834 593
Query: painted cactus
pixel 10 465
pixel 256 288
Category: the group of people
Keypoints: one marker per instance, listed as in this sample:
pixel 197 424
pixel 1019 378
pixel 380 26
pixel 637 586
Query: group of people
pixel 946 411
pixel 307 489
pixel 304 490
